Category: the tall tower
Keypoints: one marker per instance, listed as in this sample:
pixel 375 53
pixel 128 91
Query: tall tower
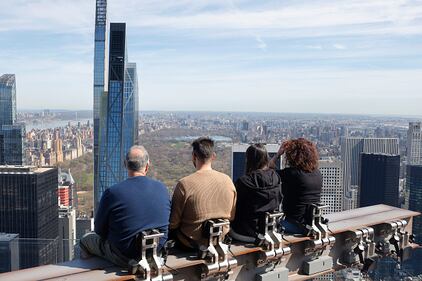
pixel 332 184
pixel 100 84
pixel 351 149
pixel 414 185
pixel 119 115
pixel 414 144
pixel 11 134
pixel 379 179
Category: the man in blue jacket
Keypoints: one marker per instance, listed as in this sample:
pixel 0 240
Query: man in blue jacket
pixel 127 208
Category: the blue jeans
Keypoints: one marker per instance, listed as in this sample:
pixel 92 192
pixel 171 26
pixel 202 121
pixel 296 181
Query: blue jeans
pixel 292 228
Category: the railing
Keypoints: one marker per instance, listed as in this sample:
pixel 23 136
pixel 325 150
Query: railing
pixel 353 239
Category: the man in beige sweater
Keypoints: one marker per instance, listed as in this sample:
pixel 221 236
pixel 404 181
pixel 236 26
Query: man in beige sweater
pixel 203 195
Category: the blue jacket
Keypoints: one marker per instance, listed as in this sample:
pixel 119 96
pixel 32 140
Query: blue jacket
pixel 129 207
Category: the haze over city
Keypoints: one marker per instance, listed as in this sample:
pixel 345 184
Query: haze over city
pixel 354 57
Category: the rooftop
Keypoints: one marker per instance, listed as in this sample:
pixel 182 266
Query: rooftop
pixel 7 79
pixel 13 169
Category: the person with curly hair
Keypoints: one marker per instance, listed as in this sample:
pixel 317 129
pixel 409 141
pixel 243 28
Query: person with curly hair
pixel 301 182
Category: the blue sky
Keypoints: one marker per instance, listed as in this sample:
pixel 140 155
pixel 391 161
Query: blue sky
pixel 354 56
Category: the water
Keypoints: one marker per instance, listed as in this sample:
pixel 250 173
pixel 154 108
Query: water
pixel 55 124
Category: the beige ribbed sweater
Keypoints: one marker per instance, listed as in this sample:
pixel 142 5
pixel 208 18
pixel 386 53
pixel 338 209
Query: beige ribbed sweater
pixel 203 195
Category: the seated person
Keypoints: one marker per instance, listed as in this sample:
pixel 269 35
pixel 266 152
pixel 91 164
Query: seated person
pixel 203 195
pixel 301 182
pixel 139 203
pixel 258 192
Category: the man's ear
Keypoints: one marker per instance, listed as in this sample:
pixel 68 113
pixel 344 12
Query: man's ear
pixel 213 156
pixel 146 168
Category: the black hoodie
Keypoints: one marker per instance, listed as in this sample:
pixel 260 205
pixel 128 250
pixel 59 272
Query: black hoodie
pixel 257 193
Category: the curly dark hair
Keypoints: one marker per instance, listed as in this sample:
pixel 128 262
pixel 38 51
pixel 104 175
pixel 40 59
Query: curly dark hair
pixel 302 154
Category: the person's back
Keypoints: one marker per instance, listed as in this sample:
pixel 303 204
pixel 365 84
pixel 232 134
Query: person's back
pixel 126 209
pixel 300 188
pixel 301 182
pixel 203 195
pixel 134 205
pixel 258 192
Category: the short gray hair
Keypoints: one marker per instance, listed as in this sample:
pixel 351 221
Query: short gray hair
pixel 137 158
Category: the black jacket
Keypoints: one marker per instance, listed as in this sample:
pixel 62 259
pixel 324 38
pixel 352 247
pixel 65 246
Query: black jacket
pixel 257 193
pixel 299 190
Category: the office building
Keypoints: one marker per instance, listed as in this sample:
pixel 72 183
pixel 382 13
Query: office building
pixel 11 134
pixel 332 185
pixel 66 193
pixel 67 234
pixel 414 186
pixel 379 179
pixel 28 207
pixel 351 148
pixel 239 158
pixel 9 252
pixel 100 81
pixel 119 124
pixel 414 144
pixel 7 99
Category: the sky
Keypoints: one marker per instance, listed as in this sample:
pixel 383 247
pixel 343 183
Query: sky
pixel 329 56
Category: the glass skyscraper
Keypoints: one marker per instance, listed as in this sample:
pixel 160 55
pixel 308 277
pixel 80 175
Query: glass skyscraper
pixel 119 113
pixel 28 206
pixel 11 134
pixel 100 73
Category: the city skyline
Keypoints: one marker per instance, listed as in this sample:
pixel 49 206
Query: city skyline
pixel 302 56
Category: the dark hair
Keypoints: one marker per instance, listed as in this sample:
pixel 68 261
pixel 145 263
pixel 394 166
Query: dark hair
pixel 256 157
pixel 302 154
pixel 203 148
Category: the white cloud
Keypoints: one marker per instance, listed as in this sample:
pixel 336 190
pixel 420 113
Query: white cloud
pixel 339 46
pixel 261 44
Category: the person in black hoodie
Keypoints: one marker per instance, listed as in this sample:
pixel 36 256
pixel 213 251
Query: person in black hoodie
pixel 258 192
pixel 301 182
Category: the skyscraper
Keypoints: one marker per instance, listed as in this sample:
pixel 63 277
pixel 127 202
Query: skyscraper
pixel 28 206
pixel 7 99
pixel 119 114
pixel 100 84
pixel 239 158
pixel 379 179
pixel 11 134
pixel 67 234
pixel 351 148
pixel 332 185
pixel 414 144
pixel 414 185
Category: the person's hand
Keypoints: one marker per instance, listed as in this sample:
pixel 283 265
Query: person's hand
pixel 281 150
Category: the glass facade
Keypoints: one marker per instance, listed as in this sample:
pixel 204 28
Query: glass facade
pixel 28 206
pixel 100 59
pixel 119 114
pixel 7 99
pixel 414 185
pixel 11 134
pixel 379 179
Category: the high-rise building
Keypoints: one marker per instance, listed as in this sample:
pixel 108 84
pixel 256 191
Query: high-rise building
pixel 65 192
pixel 100 81
pixel 28 207
pixel 414 186
pixel 67 234
pixel 119 115
pixel 7 99
pixel 239 158
pixel 414 144
pixel 11 134
pixel 351 148
pixel 379 179
pixel 9 252
pixel 332 185
pixel 83 226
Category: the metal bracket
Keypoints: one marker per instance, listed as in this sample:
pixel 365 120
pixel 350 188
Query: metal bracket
pixel 319 228
pixel 360 248
pixel 149 266
pixel 273 240
pixel 398 240
pixel 219 261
